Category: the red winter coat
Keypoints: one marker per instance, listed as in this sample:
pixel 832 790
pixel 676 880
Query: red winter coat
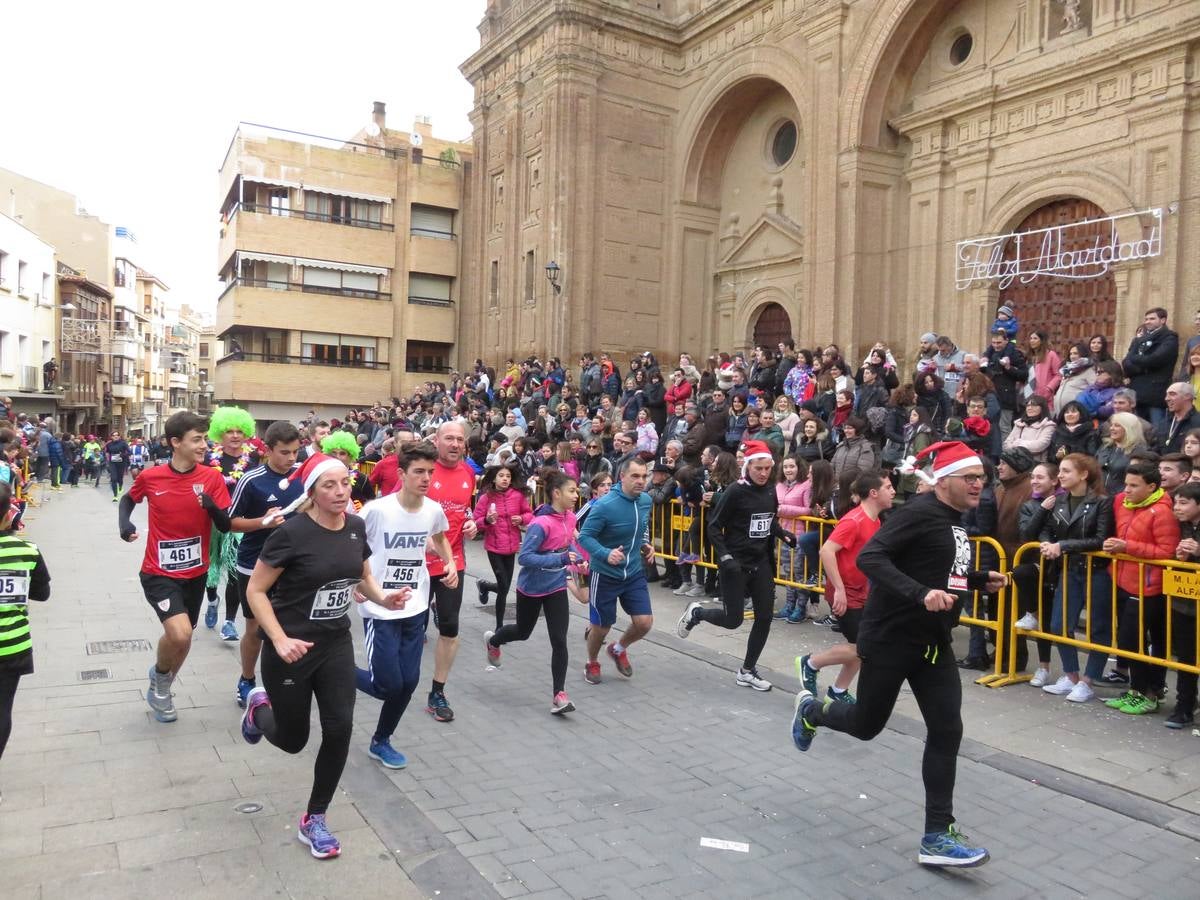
pixel 1149 533
pixel 502 536
pixel 680 394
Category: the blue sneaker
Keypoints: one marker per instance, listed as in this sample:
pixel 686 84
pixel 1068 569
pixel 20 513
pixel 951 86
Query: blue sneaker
pixel 798 615
pixel 949 848
pixel 315 834
pixel 210 616
pixel 802 731
pixel 806 673
pixel 843 697
pixel 251 732
pixel 789 607
pixel 244 687
pixel 229 631
pixel 387 754
pixel 437 707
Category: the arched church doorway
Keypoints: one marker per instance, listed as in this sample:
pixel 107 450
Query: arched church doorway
pixel 772 326
pixel 1069 309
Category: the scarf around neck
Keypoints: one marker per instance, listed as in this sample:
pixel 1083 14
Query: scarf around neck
pixel 1149 501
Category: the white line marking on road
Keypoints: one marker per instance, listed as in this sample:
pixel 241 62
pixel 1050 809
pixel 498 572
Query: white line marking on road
pixel 718 844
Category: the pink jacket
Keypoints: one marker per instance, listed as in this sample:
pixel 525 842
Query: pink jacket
pixel 794 501
pixel 502 536
pixel 1046 375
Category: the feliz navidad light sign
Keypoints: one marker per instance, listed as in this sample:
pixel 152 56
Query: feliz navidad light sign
pixel 1077 250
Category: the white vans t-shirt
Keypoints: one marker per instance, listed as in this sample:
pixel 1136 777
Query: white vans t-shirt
pixel 398 539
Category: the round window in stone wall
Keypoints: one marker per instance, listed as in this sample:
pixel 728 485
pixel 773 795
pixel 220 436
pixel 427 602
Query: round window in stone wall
pixel 783 144
pixel 961 49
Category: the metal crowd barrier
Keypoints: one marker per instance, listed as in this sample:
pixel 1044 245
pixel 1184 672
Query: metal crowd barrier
pixel 1181 593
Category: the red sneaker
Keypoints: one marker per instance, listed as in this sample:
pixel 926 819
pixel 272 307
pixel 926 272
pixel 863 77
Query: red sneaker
pixel 591 673
pixel 621 660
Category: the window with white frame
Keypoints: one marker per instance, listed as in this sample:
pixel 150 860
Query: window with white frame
pixel 429 290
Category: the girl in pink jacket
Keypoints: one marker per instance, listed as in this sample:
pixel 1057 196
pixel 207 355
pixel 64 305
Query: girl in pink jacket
pixel 794 493
pixel 501 513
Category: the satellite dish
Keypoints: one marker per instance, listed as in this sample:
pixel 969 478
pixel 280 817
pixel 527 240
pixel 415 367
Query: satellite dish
pixel 415 139
pixel 372 130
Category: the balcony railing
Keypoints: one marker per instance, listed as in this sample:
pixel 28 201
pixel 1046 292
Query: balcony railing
pixel 29 378
pixel 416 365
pixel 355 293
pixel 244 356
pixel 309 215
pixel 429 301
pixel 433 233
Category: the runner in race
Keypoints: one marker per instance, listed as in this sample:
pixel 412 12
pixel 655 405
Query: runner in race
pixel 743 529
pixel 312 567
pixel 260 496
pixel 23 577
pixel 542 585
pixel 186 498
pixel 846 584
pixel 137 458
pixel 116 458
pixel 616 536
pixel 453 486
pixel 93 455
pixel 233 458
pixel 401 528
pixel 919 569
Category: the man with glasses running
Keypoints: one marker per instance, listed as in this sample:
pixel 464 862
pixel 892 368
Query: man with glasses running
pixel 919 569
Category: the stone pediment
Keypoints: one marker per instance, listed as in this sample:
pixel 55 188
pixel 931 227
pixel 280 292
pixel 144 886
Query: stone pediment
pixel 773 239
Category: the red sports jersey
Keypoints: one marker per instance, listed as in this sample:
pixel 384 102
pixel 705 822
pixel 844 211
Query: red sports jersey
pixel 177 546
pixel 852 534
pixel 453 489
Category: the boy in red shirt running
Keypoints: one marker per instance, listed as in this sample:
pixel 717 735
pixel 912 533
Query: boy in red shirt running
pixel 186 498
pixel 848 585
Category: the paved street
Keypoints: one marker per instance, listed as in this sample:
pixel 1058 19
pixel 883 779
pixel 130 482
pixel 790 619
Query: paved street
pixel 100 800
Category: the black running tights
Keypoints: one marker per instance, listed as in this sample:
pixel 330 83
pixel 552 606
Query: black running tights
pixel 558 616
pixel 736 582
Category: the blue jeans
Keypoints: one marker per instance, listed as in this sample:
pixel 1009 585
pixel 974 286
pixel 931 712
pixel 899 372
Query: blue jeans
pixel 394 648
pixel 1077 582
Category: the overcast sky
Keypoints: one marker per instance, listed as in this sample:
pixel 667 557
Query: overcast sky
pixel 131 106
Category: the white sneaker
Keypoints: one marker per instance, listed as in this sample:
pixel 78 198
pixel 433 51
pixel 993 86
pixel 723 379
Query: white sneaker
pixel 682 590
pixel 752 679
pixel 696 591
pixel 1027 622
pixel 1040 677
pixel 1081 693
pixel 684 626
pixel 1064 685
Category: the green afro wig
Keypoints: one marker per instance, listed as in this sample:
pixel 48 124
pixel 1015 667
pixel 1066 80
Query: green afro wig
pixel 230 418
pixel 341 440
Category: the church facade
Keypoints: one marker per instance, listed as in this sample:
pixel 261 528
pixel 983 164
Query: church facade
pixel 711 174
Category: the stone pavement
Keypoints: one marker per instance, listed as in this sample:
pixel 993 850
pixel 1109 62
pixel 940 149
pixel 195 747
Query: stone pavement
pixel 508 801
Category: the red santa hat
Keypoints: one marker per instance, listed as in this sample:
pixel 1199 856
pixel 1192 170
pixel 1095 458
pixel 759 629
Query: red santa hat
pixel 312 469
pixel 947 458
pixel 754 450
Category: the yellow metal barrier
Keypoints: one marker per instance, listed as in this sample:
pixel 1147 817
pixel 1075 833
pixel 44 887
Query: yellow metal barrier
pixel 365 467
pixel 998 622
pixel 1181 592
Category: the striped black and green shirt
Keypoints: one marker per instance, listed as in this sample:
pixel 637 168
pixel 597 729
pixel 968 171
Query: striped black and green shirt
pixel 23 577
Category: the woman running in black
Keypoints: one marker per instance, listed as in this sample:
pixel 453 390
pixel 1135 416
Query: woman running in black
pixel 312 567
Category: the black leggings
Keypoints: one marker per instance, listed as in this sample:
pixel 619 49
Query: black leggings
pixel 326 671
pixel 8 692
pixel 558 615
pixel 503 566
pixel 116 477
pixel 933 676
pixel 735 581
pixel 233 596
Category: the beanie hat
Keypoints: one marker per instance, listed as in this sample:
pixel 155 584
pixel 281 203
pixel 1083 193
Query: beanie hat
pixel 755 450
pixel 929 338
pixel 1019 459
pixel 948 457
pixel 312 469
pixel 1005 311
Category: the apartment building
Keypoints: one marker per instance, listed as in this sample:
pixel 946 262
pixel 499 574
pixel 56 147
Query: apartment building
pixel 27 309
pixel 339 263
pixel 205 361
pixel 181 357
pixel 85 402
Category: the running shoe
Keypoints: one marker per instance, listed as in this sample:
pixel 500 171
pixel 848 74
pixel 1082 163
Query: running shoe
pixel 481 586
pixel 493 653
pixel 315 834
pixel 687 621
pixel 843 697
pixel 244 687
pixel 562 704
pixel 437 707
pixel 1040 677
pixel 387 754
pixel 1116 676
pixel 1118 702
pixel 798 615
pixel 806 673
pixel 1064 685
pixel 827 621
pixel 114 498
pixel 254 700
pixel 696 590
pixel 210 616
pixel 751 679
pixel 682 590
pixel 1140 705
pixel 786 610
pixel 158 696
pixel 1179 719
pixel 620 660
pixel 802 731
pixel 1081 693
pixel 229 631
pixel 950 848
pixel 1027 622
pixel 591 672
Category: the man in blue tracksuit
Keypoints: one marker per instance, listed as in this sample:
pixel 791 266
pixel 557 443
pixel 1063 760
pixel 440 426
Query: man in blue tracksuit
pixel 616 535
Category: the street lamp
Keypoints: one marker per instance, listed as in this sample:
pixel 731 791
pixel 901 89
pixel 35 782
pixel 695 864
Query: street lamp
pixel 552 273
